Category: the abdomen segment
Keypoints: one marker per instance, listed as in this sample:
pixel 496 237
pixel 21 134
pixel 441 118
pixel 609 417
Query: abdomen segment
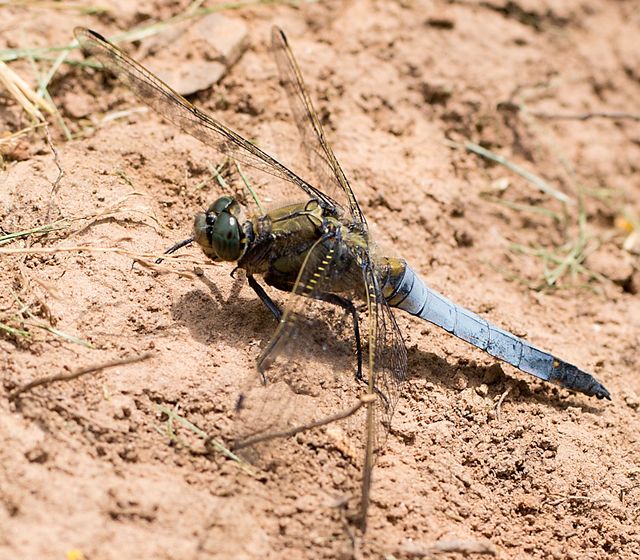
pixel 412 295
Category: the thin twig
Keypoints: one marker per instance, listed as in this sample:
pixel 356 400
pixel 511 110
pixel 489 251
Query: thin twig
pixel 615 115
pixel 260 438
pixel 575 498
pixel 56 160
pixel 446 547
pixel 79 373
pixel 499 403
pixel 96 249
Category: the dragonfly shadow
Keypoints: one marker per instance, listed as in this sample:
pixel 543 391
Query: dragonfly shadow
pixel 214 317
pixel 211 319
pixel 465 374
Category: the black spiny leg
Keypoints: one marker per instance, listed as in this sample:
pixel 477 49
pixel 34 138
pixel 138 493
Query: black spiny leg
pixel 348 306
pixel 174 248
pixel 329 298
pixel 264 297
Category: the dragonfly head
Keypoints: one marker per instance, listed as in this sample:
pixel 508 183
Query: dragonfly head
pixel 218 230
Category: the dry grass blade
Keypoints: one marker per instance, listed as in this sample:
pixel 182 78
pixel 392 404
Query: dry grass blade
pixel 193 11
pixel 208 440
pixel 13 136
pixel 118 206
pixel 35 322
pixel 518 207
pixel 123 114
pixel 55 5
pixel 90 219
pixel 17 93
pixel 251 190
pixel 538 182
pixel 498 406
pixel 568 258
pixel 24 95
pixel 74 375
pixel 148 260
pixel 13 331
pixel 46 228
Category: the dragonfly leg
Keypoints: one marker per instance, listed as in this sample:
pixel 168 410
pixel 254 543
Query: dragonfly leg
pixel 264 297
pixel 174 248
pixel 351 309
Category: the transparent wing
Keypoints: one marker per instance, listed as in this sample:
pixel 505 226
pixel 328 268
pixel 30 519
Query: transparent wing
pixel 313 279
pixel 177 110
pixel 321 157
pixel 387 351
pixel 386 366
pixel 387 370
pixel 308 385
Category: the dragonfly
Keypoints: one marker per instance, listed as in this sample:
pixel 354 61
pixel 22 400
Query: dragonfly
pixel 321 250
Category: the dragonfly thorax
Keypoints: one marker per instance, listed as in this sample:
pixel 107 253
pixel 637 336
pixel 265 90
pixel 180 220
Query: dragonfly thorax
pixel 218 230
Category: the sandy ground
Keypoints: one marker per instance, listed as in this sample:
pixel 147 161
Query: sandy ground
pixel 94 468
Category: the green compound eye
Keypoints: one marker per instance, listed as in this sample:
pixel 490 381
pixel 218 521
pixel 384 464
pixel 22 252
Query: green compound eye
pixel 218 231
pixel 224 204
pixel 202 234
pixel 225 237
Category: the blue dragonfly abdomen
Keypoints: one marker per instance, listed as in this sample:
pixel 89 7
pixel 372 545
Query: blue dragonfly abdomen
pixel 411 294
